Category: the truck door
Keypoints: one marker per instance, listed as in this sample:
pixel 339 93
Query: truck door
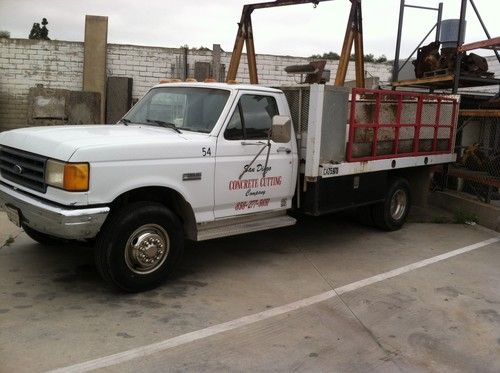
pixel 251 176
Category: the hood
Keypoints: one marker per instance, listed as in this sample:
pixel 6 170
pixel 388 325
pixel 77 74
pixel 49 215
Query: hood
pixel 101 142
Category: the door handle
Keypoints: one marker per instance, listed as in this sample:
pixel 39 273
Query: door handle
pixel 283 149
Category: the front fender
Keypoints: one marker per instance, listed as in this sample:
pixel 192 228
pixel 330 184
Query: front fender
pixel 108 180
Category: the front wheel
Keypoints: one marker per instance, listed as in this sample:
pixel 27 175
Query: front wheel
pixel 139 246
pixel 391 214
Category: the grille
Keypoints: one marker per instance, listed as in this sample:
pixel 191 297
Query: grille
pixel 23 168
pixel 300 113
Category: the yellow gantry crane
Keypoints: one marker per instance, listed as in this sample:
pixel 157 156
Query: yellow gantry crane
pixel 353 35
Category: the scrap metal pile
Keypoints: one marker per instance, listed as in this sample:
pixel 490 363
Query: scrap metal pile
pixel 430 62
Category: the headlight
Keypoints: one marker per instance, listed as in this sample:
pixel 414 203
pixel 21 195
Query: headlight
pixel 73 177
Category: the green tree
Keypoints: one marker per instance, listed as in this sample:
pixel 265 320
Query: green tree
pixel 326 56
pixel 335 56
pixel 369 58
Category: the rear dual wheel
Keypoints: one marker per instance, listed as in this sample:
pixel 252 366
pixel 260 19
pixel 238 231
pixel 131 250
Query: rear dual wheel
pixel 391 214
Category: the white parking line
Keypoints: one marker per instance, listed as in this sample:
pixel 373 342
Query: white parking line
pixel 183 339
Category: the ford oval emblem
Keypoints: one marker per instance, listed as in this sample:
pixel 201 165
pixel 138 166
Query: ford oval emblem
pixel 18 169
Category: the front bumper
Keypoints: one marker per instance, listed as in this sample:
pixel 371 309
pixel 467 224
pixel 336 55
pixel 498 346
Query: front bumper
pixel 63 222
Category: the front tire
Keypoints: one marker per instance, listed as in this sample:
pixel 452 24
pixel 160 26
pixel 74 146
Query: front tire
pixel 139 246
pixel 391 214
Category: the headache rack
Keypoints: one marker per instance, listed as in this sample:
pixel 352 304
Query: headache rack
pixel 390 124
pixel 345 131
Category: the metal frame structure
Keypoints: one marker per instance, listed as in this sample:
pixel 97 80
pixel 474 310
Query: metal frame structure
pixel 482 178
pixel 455 80
pixel 396 68
pixel 463 9
pixel 399 99
pixel 353 35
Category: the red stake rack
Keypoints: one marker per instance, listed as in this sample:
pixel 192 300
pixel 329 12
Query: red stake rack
pixel 368 117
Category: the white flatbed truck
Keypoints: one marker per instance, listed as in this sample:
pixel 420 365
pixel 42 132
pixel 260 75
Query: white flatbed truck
pixel 198 161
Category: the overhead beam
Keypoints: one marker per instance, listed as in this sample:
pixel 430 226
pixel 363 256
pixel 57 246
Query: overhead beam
pixel 245 36
pixel 483 113
pixel 278 3
pixel 483 44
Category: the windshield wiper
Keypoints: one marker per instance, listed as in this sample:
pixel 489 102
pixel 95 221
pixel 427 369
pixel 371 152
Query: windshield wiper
pixel 201 130
pixel 164 124
pixel 125 121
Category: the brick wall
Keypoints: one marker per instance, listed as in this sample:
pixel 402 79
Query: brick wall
pixel 25 63
pixel 59 64
pixel 146 65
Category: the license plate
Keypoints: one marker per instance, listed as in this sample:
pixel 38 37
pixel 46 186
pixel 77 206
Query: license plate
pixel 330 170
pixel 13 215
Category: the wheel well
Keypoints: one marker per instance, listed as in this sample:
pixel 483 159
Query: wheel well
pixel 166 196
pixel 419 179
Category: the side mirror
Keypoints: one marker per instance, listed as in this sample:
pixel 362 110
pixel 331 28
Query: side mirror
pixel 282 129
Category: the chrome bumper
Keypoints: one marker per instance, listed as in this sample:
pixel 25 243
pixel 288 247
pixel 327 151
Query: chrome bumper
pixel 63 222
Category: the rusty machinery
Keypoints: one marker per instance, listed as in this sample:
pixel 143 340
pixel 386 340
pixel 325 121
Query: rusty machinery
pixel 354 34
pixel 445 58
pixel 430 62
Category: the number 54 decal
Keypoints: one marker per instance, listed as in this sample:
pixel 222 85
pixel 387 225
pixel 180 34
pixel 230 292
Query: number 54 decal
pixel 206 152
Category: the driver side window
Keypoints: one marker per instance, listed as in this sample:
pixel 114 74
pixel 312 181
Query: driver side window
pixel 234 129
pixel 252 118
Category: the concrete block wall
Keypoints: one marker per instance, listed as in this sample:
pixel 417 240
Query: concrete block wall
pixel 145 65
pixel 25 63
pixel 271 69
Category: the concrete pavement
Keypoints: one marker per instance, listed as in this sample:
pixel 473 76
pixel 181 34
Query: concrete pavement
pixel 56 312
pixel 8 231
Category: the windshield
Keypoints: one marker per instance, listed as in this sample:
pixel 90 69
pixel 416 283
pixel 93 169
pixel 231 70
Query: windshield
pixel 188 108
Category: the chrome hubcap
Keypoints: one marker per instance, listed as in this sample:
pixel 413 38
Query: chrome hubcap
pixel 147 248
pixel 398 204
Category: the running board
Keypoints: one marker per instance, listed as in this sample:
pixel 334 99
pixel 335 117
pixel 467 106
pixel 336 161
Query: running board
pixel 244 227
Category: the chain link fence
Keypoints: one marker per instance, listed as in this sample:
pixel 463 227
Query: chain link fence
pixel 477 170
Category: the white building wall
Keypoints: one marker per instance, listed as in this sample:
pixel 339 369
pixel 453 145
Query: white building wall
pixel 25 63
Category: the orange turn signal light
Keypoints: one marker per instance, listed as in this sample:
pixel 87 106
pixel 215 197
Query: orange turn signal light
pixel 76 177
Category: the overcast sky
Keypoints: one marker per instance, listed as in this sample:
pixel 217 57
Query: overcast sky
pixel 298 30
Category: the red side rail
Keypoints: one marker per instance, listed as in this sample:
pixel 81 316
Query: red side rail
pixel 373 112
